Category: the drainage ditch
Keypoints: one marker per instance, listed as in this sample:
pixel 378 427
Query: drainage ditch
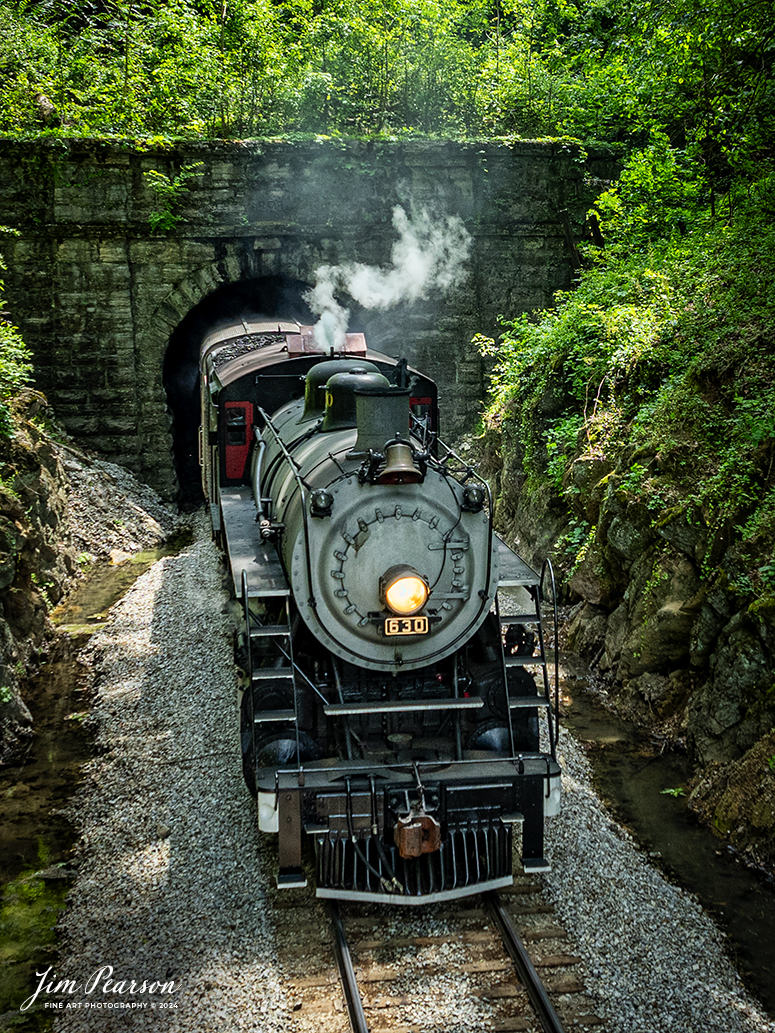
pixel 644 785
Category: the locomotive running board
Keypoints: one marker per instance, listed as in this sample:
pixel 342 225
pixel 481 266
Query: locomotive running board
pixel 247 550
pixel 404 899
pixel 513 572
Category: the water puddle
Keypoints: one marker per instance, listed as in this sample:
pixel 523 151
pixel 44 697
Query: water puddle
pixel 38 840
pixel 105 583
pixel 631 776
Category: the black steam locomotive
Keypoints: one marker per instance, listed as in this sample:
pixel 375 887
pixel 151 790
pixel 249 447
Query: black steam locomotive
pixel 392 714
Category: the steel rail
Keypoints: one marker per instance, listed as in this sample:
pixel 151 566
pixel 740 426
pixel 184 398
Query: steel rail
pixel 522 963
pixel 344 963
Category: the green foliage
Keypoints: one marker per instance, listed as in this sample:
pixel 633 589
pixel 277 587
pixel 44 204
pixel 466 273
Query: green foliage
pixel 696 76
pixel 169 193
pixel 677 792
pixel 575 543
pixel 43 587
pixel 561 440
pixel 15 364
pixel 656 196
pixel 662 364
pixel 29 910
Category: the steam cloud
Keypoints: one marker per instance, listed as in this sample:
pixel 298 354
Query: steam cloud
pixel 429 254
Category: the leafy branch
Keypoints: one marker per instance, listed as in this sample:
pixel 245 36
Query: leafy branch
pixel 169 193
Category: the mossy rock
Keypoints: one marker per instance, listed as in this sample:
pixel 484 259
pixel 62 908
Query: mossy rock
pixel 586 631
pixel 738 800
pixel 595 578
pixel 735 706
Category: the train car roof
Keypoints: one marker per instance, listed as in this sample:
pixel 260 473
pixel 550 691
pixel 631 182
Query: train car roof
pixel 232 351
pixel 239 341
pixel 246 327
pixel 275 353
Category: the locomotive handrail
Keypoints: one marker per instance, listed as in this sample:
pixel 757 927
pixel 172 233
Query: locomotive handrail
pixel 246 604
pixel 296 471
pixel 281 444
pixel 289 656
pixel 555 718
pixel 310 432
pixel 395 765
pixel 505 675
pixel 308 680
pixel 259 464
pixel 473 472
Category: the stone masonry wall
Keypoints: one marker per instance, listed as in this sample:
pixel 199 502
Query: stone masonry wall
pixel 97 294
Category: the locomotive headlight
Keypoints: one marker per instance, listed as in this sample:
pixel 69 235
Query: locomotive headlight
pixel 403 590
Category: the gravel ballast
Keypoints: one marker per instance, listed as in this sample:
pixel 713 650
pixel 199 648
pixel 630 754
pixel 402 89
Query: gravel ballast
pixel 109 511
pixel 654 958
pixel 170 885
pixel 172 877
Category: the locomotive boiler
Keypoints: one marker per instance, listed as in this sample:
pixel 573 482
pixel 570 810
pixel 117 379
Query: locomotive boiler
pixel 397 714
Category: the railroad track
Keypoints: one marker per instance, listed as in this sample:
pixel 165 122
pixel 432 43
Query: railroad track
pixel 480 972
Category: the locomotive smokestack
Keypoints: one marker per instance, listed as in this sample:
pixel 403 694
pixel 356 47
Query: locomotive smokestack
pixel 382 414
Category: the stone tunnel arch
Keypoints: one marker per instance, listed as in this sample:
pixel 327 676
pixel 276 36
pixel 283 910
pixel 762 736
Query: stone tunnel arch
pixel 273 297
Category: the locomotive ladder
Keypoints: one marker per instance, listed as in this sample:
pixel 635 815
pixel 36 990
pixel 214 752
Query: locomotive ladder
pixel 283 672
pixel 515 574
pixel 278 635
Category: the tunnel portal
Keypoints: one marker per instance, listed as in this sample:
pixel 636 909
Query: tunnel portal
pixel 111 308
pixel 267 297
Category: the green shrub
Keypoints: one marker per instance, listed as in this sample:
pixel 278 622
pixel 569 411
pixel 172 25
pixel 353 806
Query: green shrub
pixel 15 363
pixel 661 363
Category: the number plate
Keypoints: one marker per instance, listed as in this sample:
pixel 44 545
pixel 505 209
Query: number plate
pixel 406 625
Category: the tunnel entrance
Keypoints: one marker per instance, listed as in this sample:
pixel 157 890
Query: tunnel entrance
pixel 268 297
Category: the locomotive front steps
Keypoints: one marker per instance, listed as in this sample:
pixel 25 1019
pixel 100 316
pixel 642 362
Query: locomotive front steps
pixel 270 673
pixel 270 631
pixel 525 661
pixel 269 716
pixel 519 618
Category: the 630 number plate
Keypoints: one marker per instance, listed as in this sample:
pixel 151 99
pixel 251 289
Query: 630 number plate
pixel 406 625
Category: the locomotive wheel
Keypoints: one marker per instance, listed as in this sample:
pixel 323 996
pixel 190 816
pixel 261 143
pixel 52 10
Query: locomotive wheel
pixel 492 736
pixel 491 687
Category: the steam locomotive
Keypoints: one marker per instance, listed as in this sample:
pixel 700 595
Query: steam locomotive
pixel 394 716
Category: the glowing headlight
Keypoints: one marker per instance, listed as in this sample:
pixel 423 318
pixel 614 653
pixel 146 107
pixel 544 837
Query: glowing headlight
pixel 404 590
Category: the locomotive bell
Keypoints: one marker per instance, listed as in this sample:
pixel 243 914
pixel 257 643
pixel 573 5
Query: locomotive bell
pixel 399 466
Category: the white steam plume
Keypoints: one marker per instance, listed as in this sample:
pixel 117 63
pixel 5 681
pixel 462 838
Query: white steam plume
pixel 429 254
